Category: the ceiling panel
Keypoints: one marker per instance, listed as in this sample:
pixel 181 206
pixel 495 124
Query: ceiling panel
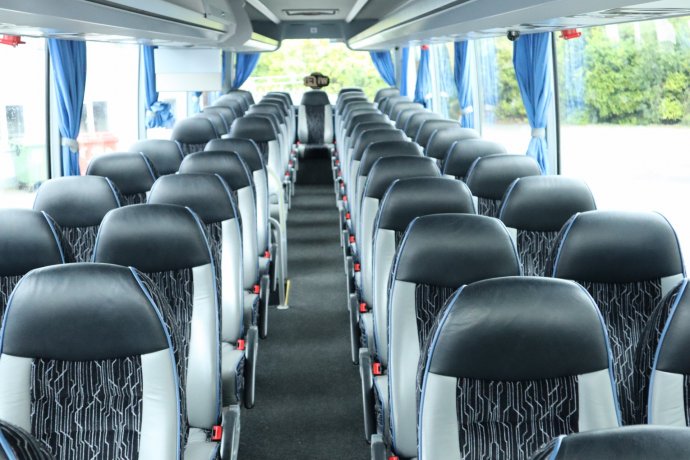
pixel 289 10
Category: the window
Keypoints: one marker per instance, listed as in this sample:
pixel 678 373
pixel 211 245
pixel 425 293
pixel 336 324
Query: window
pixel 285 69
pixel 501 110
pixel 23 152
pixel 444 94
pixel 110 114
pixel 625 116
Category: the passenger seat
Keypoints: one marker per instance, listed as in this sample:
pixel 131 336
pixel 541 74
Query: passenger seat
pixel 164 155
pixel 315 119
pixel 192 134
pixel 132 174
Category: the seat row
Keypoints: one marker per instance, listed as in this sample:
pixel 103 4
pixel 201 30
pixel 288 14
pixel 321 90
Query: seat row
pixel 412 238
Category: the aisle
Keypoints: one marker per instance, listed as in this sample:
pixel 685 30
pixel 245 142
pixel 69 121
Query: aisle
pixel 308 403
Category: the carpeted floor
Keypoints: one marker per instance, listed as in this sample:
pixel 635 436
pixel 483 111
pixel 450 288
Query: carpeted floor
pixel 308 403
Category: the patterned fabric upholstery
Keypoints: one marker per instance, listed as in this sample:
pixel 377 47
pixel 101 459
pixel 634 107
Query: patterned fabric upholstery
pixel 81 240
pixel 534 249
pixel 488 207
pixel 646 352
pixel 107 400
pixel 186 149
pixel 7 284
pixel 214 233
pixel 315 123
pixel 511 420
pixel 21 444
pixel 626 308
pixel 429 301
pixel 133 198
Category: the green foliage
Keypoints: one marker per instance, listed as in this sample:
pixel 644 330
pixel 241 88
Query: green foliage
pixel 510 106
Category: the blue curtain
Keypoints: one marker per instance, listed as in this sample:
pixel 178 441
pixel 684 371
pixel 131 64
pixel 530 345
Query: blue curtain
pixel 463 83
pixel 245 63
pixel 403 79
pixel 68 59
pixel 423 87
pixel 533 64
pixel 384 64
pixel 158 114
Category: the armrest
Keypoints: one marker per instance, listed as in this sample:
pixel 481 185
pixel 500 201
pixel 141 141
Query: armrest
pixel 230 441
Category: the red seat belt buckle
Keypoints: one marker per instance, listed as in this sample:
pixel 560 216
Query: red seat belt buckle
pixel 394 457
pixel 256 289
pixel 267 254
pixel 363 307
pixel 216 433
pixel 358 267
pixel 376 369
pixel 241 344
pixel 352 238
pixel 347 215
pixel 344 197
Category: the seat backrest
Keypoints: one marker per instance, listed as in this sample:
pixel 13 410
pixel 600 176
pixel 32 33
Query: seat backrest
pixel 132 174
pixel 386 106
pixel 629 442
pixel 346 99
pixel 535 208
pixel 164 155
pixel 628 261
pixel 315 118
pixel 233 103
pixel 489 177
pixel 463 153
pixel 405 200
pixel 247 95
pixel 87 347
pixel 233 170
pixel 18 443
pixel 261 132
pixel 208 196
pixel 218 121
pixel 359 145
pixel 438 254
pixel 281 94
pixel 365 122
pixel 428 127
pixel 228 113
pixel 386 92
pixel 78 205
pixel 399 108
pixel 192 134
pixel 142 236
pixel 28 240
pixel 349 90
pixel 442 140
pixel 405 115
pixel 355 107
pixel 512 363
pixel 417 120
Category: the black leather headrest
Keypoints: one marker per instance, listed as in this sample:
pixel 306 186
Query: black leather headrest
pixel 442 140
pixel 366 118
pixel 383 149
pixel 266 108
pixel 29 240
pixel 416 120
pixel 405 115
pixel 245 148
pixel 490 177
pixel 462 154
pixel 387 105
pixel 237 98
pixel 233 103
pixel 254 128
pixel 356 129
pixel 617 247
pixel 216 119
pixel 386 92
pixel 430 126
pixel 194 130
pixel 349 98
pixel 452 250
pixel 358 108
pixel 82 312
pixel 271 117
pixel 544 203
pixel 386 170
pixel 152 238
pixel 228 113
pixel 276 103
pixel 205 194
pixel 130 172
pixel 77 201
pixel 164 155
pixel 281 94
pixel 639 442
pixel 520 328
pixel 228 165
pixel 247 95
pixel 350 90
pixel 375 135
pixel 673 349
pixel 315 97
pixel 402 106
pixel 407 199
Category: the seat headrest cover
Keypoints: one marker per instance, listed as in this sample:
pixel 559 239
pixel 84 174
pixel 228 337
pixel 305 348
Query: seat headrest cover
pixel 360 108
pixel 428 128
pixel 520 328
pixel 463 153
pixel 490 177
pixel 374 135
pixel 617 247
pixel 397 108
pixel 386 92
pixel 82 312
pixel 268 108
pixel 228 165
pixel 277 101
pixel 271 117
pixel 29 240
pixel 255 128
pixel 77 201
pixel 245 148
pixel 205 194
pixel 365 124
pixel 232 102
pixel 405 115
pixel 350 90
pixel 377 150
pixel 194 130
pixel 319 98
pixel 130 172
pixel 152 238
pixel 165 155
pixel 388 169
pixel 415 121
pixel 228 113
pixel 452 250
pixel 442 140
pixel 216 119
pixel 673 348
pixel 280 94
pixel 639 442
pixel 349 98
pixel 544 203
pixel 407 199
pixel 387 104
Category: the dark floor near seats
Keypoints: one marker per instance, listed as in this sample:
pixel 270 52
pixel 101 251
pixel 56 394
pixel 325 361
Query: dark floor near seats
pixel 308 403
